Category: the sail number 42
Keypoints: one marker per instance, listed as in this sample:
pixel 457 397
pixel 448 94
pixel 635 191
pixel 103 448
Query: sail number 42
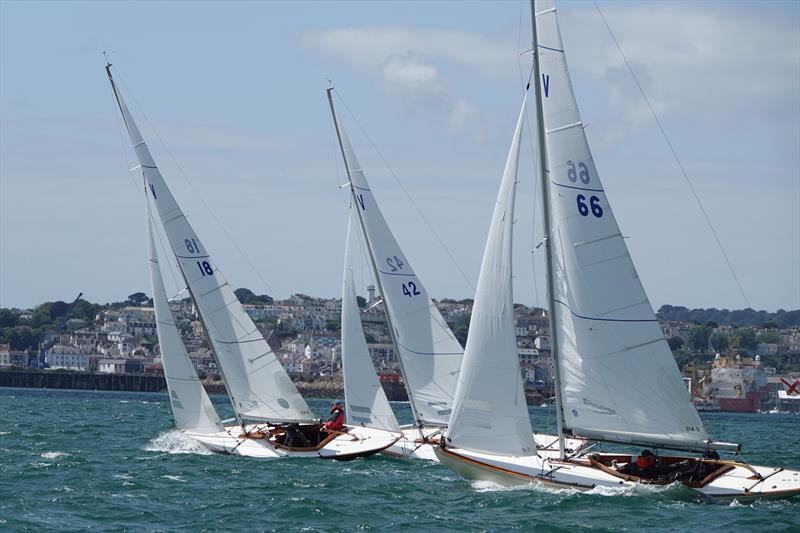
pixel 410 289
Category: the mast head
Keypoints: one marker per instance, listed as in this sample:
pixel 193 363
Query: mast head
pixel 108 65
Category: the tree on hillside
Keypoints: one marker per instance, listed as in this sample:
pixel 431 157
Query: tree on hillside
pixel 745 339
pixel 720 343
pixel 138 299
pixel 245 295
pixel 675 343
pixel 8 318
pixel 698 338
pixel 770 337
pixel 22 338
pixel 362 302
pixel 460 328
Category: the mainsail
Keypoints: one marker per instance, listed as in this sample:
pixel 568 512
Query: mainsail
pixel 490 413
pixel 429 353
pixel 191 407
pixel 365 400
pixel 619 380
pixel 259 386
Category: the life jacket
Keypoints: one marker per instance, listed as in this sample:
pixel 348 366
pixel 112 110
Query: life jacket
pixel 336 421
pixel 645 462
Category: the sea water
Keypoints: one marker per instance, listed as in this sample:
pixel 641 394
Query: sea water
pixel 108 461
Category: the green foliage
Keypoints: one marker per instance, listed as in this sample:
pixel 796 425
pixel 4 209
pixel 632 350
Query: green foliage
pixel 8 318
pixel 22 337
pixel 745 339
pixel 720 342
pixel 698 338
pixel 86 310
pixel 361 301
pixel 683 358
pixel 138 299
pixel 460 328
pixel 332 325
pixel 246 296
pixel 770 337
pixel 675 343
pixel 742 317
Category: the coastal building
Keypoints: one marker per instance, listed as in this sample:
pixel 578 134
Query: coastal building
pixel 66 359
pixel 111 366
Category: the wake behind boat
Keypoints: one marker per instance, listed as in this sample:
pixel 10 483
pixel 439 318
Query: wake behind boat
pixel 605 339
pixel 272 418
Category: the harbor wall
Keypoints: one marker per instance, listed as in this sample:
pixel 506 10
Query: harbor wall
pixel 53 379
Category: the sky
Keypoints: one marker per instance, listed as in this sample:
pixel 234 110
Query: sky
pixel 231 98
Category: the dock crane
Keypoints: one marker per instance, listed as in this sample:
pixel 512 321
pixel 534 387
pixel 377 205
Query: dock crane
pixel 49 342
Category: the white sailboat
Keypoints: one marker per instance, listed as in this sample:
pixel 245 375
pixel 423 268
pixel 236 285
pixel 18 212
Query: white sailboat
pixel 616 379
pixel 191 407
pixel 271 415
pixel 428 353
pixel 364 397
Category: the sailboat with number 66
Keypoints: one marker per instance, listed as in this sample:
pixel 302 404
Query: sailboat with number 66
pixel 616 378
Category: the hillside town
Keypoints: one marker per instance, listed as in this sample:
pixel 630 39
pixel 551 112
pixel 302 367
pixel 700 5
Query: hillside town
pixel 725 367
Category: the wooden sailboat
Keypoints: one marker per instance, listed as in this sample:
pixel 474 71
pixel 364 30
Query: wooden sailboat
pixel 268 408
pixel 428 352
pixel 616 379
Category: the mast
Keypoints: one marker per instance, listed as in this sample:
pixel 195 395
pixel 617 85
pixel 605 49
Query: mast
pixel 545 187
pixel 417 419
pixel 117 97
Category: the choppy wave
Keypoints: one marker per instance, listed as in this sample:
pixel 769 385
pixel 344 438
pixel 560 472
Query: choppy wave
pixel 176 442
pixel 637 490
pixel 53 455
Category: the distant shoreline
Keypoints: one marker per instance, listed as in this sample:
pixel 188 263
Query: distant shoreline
pixel 71 380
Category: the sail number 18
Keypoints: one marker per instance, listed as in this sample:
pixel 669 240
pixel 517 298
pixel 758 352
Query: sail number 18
pixel 205 268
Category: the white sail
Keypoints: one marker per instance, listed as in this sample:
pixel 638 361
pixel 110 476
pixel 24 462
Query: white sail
pixel 364 398
pixel 490 413
pixel 191 407
pixel 429 352
pixel 619 380
pixel 259 386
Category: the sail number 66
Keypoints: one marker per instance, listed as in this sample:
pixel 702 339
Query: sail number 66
pixel 594 204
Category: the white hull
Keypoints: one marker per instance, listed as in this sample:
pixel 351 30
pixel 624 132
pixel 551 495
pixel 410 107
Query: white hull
pixel 411 445
pixel 738 482
pixel 357 442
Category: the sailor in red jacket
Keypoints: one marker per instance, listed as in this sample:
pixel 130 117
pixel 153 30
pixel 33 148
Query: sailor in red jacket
pixel 336 420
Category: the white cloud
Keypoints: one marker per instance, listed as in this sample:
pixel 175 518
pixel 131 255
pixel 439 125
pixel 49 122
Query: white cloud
pixel 690 59
pixel 409 62
pixel 371 46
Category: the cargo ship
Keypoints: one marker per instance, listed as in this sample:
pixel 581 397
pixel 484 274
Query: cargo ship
pixel 738 383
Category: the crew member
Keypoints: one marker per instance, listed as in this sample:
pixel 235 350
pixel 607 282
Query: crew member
pixel 644 466
pixel 336 420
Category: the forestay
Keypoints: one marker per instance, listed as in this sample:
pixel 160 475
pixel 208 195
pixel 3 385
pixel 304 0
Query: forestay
pixel 191 406
pixel 490 413
pixel 259 386
pixel 619 380
pixel 365 400
pixel 429 352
